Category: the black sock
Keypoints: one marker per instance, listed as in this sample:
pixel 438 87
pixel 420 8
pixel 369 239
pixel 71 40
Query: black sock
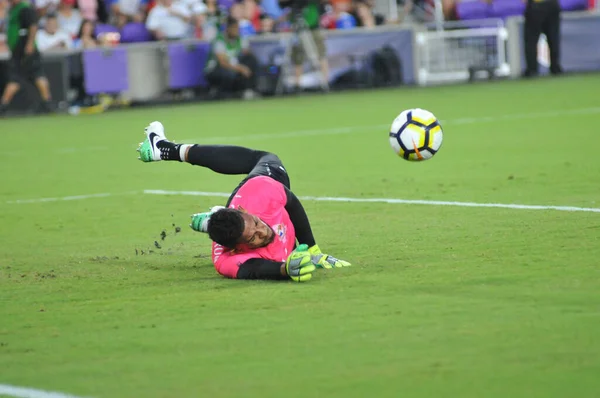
pixel 169 150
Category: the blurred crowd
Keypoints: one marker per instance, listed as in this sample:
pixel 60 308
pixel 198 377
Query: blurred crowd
pixel 75 24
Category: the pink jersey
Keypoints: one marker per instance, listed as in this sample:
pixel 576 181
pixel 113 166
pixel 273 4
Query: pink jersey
pixel 265 198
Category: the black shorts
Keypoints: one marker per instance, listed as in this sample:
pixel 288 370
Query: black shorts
pixel 26 67
pixel 269 165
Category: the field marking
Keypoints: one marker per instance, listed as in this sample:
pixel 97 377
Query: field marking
pixel 68 198
pixel 393 201
pixel 521 116
pixel 64 151
pixel 324 199
pixel 23 392
pixel 353 129
pixel 75 197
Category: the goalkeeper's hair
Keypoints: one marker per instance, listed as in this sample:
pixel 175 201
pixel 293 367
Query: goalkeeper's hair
pixel 226 227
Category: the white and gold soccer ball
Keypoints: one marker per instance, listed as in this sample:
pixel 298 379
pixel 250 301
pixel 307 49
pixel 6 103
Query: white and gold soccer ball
pixel 416 135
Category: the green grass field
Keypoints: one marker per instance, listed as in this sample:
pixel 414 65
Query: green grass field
pixel 441 301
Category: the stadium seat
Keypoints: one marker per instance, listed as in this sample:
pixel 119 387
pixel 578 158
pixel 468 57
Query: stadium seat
pixel 105 28
pixel 135 33
pixel 186 63
pixel 573 5
pixel 225 3
pixel 477 9
pixel 472 10
pixel 506 8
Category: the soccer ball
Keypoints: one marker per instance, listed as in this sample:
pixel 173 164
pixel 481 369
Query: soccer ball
pixel 416 135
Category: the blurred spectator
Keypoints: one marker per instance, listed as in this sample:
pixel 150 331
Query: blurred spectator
pixel 365 14
pixel 86 37
pixel 345 20
pixel 274 10
pixel 310 17
pixel 212 20
pixel 542 16
pixel 422 11
pixel 252 13
pixel 104 10
pixel 3 23
pixel 192 5
pixel 199 11
pixel 212 8
pixel 45 7
pixel 238 12
pixel 125 11
pixel 230 66
pixel 69 19
pixel 3 15
pixel 3 46
pixel 169 21
pixel 267 24
pixel 340 6
pixel 25 63
pixel 328 20
pixel 52 38
pixel 89 9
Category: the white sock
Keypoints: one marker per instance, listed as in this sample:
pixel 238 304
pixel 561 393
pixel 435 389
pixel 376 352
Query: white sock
pixel 182 151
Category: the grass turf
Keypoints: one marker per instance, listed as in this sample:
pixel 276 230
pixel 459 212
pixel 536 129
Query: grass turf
pixel 440 301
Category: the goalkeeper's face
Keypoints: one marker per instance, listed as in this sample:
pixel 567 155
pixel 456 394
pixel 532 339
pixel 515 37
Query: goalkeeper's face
pixel 256 232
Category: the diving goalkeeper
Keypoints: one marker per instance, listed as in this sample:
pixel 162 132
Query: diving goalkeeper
pixel 254 235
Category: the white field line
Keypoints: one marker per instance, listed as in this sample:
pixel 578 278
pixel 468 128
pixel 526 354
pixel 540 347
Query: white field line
pixel 64 198
pixel 392 201
pixel 63 151
pixel 70 198
pixel 326 199
pixel 354 129
pixel 22 392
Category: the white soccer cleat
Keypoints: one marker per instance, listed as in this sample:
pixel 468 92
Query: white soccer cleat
pixel 155 132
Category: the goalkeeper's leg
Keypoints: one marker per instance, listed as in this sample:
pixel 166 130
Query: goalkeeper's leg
pixel 223 159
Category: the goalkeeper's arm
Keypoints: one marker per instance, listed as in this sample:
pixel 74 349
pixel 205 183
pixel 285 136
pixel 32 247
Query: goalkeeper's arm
pixel 260 268
pixel 299 218
pixel 305 236
pixel 298 267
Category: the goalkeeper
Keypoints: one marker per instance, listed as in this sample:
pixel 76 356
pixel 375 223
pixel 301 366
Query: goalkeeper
pixel 254 235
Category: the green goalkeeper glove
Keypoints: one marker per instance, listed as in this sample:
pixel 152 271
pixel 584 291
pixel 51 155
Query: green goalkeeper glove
pixel 299 266
pixel 324 260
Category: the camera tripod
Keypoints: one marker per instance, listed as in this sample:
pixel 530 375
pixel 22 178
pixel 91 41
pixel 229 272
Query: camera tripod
pixel 300 36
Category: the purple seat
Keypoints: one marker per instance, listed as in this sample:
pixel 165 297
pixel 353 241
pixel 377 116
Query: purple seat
pixel 573 5
pixel 186 64
pixel 135 33
pixel 105 70
pixel 472 10
pixel 105 28
pixel 507 8
pixel 225 3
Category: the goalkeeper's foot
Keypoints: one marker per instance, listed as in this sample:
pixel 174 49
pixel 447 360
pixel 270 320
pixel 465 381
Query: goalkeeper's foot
pixel 149 152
